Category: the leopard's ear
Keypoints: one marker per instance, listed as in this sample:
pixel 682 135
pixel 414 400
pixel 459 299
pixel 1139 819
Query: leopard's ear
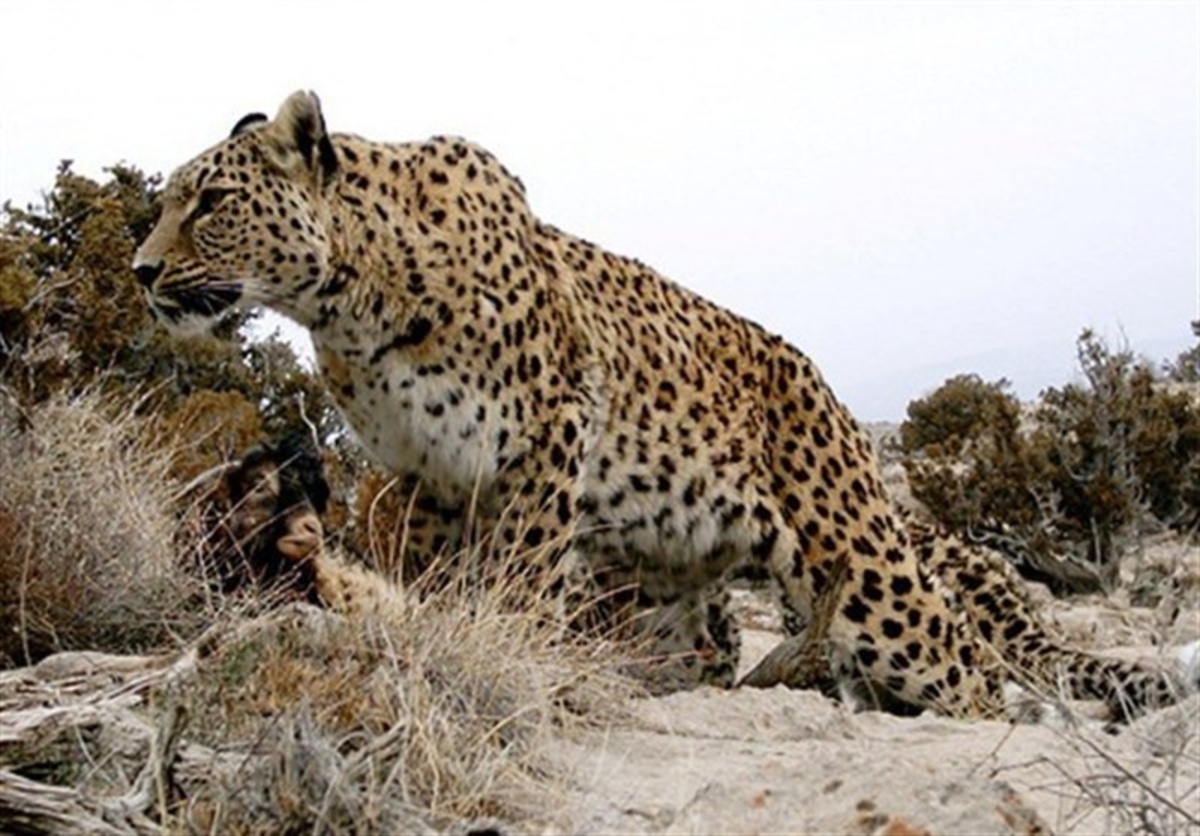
pixel 248 122
pixel 297 140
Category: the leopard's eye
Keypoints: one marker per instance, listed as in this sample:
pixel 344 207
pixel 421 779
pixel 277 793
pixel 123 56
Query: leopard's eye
pixel 208 201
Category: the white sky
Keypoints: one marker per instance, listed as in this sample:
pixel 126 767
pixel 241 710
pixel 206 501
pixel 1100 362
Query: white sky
pixel 904 191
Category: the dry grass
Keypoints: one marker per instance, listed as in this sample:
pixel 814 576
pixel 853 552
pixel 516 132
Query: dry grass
pixel 432 714
pixel 1158 790
pixel 437 712
pixel 1144 779
pixel 87 520
pixel 430 717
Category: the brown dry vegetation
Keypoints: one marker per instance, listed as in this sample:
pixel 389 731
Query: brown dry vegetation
pixel 305 721
pixel 87 528
pixel 438 711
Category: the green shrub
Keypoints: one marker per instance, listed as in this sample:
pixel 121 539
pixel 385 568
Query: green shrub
pixel 962 411
pixel 1094 460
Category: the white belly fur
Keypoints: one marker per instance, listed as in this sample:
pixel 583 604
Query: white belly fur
pixel 427 425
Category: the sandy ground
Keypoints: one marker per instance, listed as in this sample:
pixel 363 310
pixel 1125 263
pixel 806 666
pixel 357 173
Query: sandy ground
pixel 778 761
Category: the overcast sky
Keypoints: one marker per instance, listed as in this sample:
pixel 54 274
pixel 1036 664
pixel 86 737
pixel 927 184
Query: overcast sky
pixel 904 191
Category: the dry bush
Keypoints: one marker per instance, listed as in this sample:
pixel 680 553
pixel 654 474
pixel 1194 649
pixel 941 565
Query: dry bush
pixel 395 541
pixel 86 525
pixel 1186 366
pixel 380 514
pixel 218 427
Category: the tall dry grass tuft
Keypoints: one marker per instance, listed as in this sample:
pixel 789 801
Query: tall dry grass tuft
pixel 87 520
pixel 436 711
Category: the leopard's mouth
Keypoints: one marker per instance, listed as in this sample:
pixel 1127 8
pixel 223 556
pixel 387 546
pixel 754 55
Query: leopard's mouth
pixel 211 299
pixel 183 306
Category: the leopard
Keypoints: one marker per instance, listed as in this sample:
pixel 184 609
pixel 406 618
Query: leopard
pixel 578 404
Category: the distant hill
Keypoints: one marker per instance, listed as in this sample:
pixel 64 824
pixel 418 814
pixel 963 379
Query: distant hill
pixel 1030 369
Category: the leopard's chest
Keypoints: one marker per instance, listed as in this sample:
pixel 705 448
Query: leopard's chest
pixel 420 419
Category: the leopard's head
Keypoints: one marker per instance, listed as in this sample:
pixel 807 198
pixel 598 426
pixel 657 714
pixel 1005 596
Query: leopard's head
pixel 244 223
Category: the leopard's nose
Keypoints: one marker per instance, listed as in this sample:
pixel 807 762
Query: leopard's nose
pixel 147 273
